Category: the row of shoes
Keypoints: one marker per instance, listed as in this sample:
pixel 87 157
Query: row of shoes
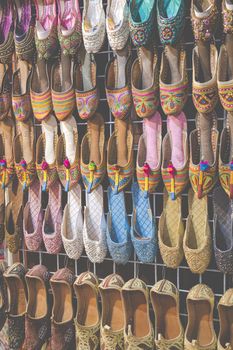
pixel 123 321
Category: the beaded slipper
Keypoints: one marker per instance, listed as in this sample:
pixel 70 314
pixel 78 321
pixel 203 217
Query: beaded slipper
pixel 87 95
pixel 169 332
pixel 117 24
pixel 93 25
pixel 93 157
pixel 149 154
pixel 120 156
pixel 118 229
pixel 7 170
pixel 225 311
pixel 143 227
pixel 197 239
pixel 223 240
pixel 173 96
pixel 3 295
pixel 69 26
pixel 94 228
pixel 5 92
pixel 175 155
pixel 171 232
pixel 72 224
pixel 7 46
pixel 227 18
pixel 171 20
pixel 87 320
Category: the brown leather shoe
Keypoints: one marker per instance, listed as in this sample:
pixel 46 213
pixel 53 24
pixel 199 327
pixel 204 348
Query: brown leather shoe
pixel 225 310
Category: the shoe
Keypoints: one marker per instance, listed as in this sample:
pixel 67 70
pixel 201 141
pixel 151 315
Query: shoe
pixel 3 295
pixel 223 239
pixel 225 308
pixel 200 332
pixel 2 215
pixel 112 319
pixel 87 320
pixel 118 229
pixel 171 232
pixel 227 17
pixel 62 326
pixel 138 330
pixel 197 239
pixel 169 333
pixel 94 228
pixel 171 21
pixel 225 85
pixel 17 304
pixel 5 92
pixel 7 46
pixel 93 26
pixel 117 24
pixel 37 320
pixel 7 170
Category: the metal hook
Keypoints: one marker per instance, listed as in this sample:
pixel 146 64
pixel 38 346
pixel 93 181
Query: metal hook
pixel 66 261
pixel 88 265
pixel 164 270
pixel 137 270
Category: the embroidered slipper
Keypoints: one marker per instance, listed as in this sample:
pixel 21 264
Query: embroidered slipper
pixel 149 154
pixel 173 95
pixel 72 224
pixel 197 239
pixel 69 26
pixel 7 46
pixel 86 92
pixel 117 24
pixel 223 240
pixel 5 92
pixel 46 29
pixel 93 25
pixel 93 157
pixel 171 232
pixel 7 170
pixel 120 156
pixel 143 227
pixel 175 155
pixel 119 93
pixel 225 308
pixel 225 83
pixel 118 228
pixel 51 229
pixel 94 228
pixel 227 17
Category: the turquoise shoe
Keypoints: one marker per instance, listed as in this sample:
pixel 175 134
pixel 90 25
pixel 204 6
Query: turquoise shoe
pixel 141 21
pixel 118 229
pixel 171 20
pixel 143 228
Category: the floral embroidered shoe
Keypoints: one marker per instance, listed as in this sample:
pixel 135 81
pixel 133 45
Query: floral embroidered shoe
pixel 120 160
pixel 7 46
pixel 225 309
pixel 5 92
pixel 146 99
pixel 3 295
pixel 86 92
pixel 62 325
pixel 205 94
pixel 37 320
pixel 17 304
pixel 138 331
pixel 173 96
pixel 93 25
pixel 7 170
pixel 119 98
pixel 93 157
pixel 117 24
pixel 200 332
pixel 171 21
pixel 175 155
pixel 33 218
pixel 171 232
pixel 143 227
pixel 118 229
pixel 46 29
pixel 112 319
pixel 69 26
pixel 223 239
pixel 149 154
pixel 197 239
pixel 87 320
pixel 94 229
pixel 141 21
pixel 169 332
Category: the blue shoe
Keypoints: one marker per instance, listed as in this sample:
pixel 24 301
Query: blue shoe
pixel 143 227
pixel 118 229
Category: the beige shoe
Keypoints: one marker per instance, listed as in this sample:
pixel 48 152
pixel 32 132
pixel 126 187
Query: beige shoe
pixel 200 334
pixel 138 332
pixel 169 332
pixel 225 310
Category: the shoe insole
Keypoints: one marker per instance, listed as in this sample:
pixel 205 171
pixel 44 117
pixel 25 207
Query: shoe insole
pixel 94 213
pixel 119 222
pixel 122 127
pixel 2 75
pixel 152 137
pixel 199 215
pixel 113 315
pixel 69 9
pixel 172 55
pixel 201 6
pixel 49 128
pixel 141 10
pixel 74 222
pixel 202 330
pixel 53 207
pixel 116 13
pixel 40 81
pixel 94 129
pixel 226 320
pixel 7 130
pixel 5 25
pixel 172 215
pixel 177 127
pixel 27 132
pixel 17 296
pixel 86 72
pixel 146 63
pixel 37 298
pixel 63 306
pixel 33 207
pixel 140 317
pixel 15 197
pixel 171 8
pixel 87 314
pixel 93 14
pixel 69 129
pixel 47 13
pixel 207 153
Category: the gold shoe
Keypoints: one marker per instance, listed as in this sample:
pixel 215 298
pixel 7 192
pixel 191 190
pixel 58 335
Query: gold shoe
pixel 225 310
